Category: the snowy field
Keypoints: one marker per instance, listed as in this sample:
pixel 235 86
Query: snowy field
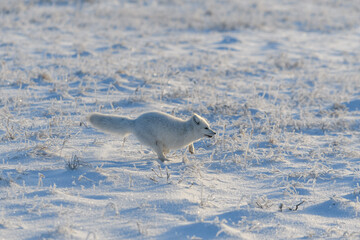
pixel 279 81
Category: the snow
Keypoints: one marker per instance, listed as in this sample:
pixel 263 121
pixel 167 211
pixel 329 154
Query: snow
pixel 277 80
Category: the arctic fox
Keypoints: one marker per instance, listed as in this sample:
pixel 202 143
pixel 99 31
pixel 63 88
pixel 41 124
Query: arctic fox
pixel 160 131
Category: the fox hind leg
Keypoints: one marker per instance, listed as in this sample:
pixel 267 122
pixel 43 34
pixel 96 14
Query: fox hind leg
pixel 166 151
pixel 160 150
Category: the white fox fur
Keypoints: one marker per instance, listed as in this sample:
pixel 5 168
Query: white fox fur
pixel 160 131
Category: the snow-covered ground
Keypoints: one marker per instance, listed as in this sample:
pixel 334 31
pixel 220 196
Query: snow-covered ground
pixel 278 80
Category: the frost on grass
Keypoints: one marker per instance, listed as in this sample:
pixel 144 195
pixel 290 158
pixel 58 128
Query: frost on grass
pixel 74 163
pixel 277 80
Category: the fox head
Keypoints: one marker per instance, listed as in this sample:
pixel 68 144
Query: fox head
pixel 202 126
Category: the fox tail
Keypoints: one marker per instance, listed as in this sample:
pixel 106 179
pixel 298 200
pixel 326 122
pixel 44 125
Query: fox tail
pixel 112 123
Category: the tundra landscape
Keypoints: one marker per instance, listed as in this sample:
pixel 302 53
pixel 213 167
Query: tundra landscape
pixel 277 80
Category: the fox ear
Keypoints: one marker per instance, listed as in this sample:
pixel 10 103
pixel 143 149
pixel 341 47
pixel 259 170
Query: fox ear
pixel 196 119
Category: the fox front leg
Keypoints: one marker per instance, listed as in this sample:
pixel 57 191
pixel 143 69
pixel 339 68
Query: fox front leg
pixel 191 148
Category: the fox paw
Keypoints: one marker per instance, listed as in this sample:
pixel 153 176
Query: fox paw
pixel 163 160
